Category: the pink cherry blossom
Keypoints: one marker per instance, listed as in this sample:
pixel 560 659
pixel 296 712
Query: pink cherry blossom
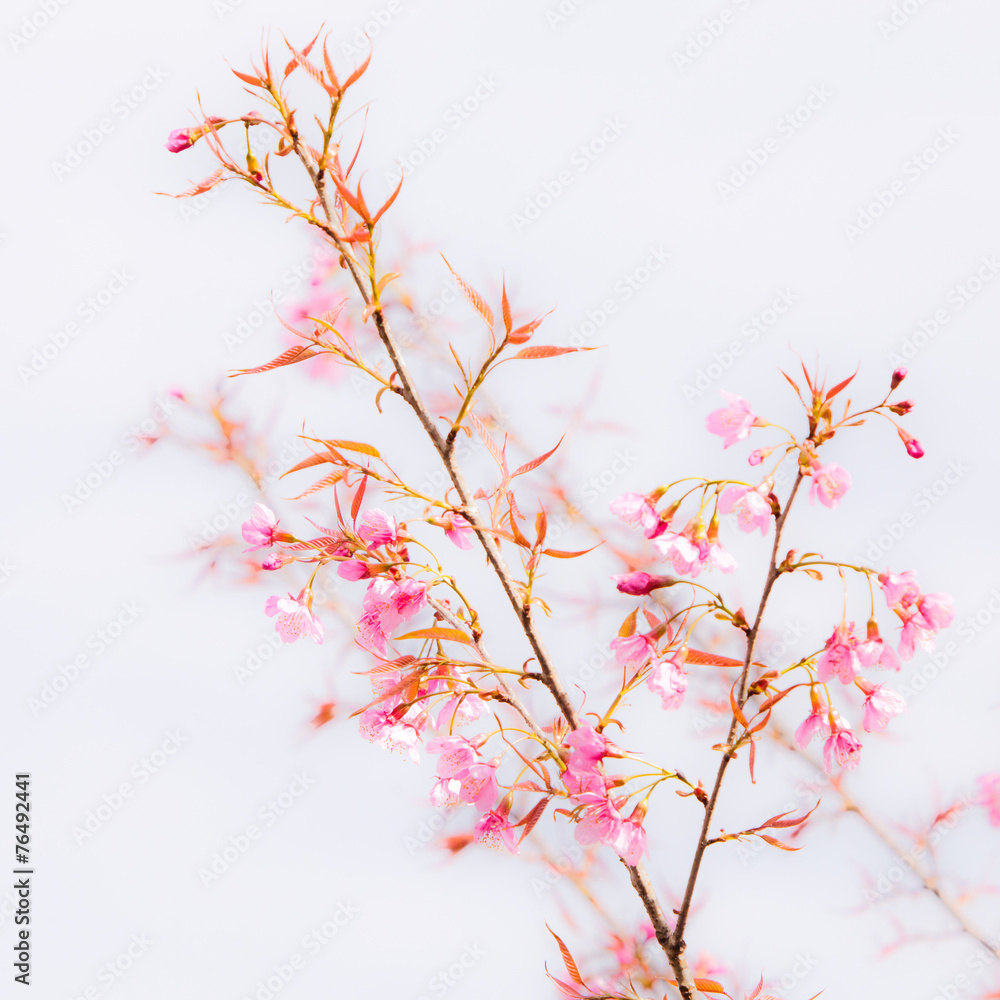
pixel 640 584
pixel 260 529
pixel 181 138
pixel 459 711
pixel 899 588
pixel 376 527
pixel 816 724
pixel 294 619
pixel 881 704
pixel 922 621
pixel 635 509
pixel 668 680
pixel 600 822
pixel 445 792
pixel 719 558
pixel 458 531
pixel 353 569
pixel 989 796
pixel 588 747
pixel 457 753
pixel 842 747
pixel 875 651
pixel 631 840
pixel 398 735
pixel 495 831
pixel 733 423
pixel 411 596
pixel 683 554
pixel 751 506
pixel 479 784
pixel 840 656
pixel 829 483
pixel 275 561
pixel 633 650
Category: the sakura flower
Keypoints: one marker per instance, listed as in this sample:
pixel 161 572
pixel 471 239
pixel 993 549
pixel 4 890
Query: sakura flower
pixel 371 634
pixel 842 747
pixel 457 753
pixel 398 735
pixel 751 506
pixel 668 680
pixel 989 796
pixel 733 423
pixel 922 620
pixel 719 558
pixel 376 527
pixel 640 584
pixel 632 650
pixel 353 569
pixel 899 588
pixel 875 651
pixel 260 529
pixel 600 822
pixel 631 840
pixel 411 596
pixel 588 748
pixel 479 784
pixel 459 711
pixel 458 531
pixel 495 831
pixel 181 139
pixel 636 510
pixel 881 704
pixel 683 554
pixel 816 724
pixel 445 792
pixel 829 483
pixel 294 619
pixel 387 604
pixel 840 657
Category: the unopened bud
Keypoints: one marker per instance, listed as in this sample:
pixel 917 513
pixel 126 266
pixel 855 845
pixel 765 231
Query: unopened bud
pixel 897 376
pixel 902 408
pixel 640 584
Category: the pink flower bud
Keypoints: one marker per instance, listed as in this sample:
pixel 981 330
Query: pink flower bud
pixel 902 408
pixel 641 584
pixel 914 448
pixel 275 561
pixel 180 139
pixel 898 375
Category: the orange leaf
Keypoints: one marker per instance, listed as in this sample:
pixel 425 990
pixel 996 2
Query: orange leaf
pixel 473 296
pixel 574 972
pixel 838 387
pixel 308 463
pixel 365 449
pixel 254 81
pixel 562 554
pixel 356 504
pixel 534 463
pixel 206 185
pixel 449 634
pixel 321 485
pixel 356 75
pixel 290 357
pixel 628 626
pixel 392 198
pixel 710 659
pixel 547 351
pixel 774 842
pixel 506 309
pixel 533 817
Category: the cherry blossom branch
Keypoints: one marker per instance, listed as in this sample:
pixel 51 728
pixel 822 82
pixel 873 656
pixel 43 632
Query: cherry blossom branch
pixel 674 945
pixel 927 878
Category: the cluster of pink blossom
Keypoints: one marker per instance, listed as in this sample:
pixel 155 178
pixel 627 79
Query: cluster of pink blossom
pixel 599 819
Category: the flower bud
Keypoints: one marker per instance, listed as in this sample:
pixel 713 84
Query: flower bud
pixel 898 375
pixel 181 138
pixel 640 584
pixel 902 408
pixel 914 448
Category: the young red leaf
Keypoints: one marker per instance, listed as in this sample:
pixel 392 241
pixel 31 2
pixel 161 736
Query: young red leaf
pixel 473 296
pixel 392 198
pixel 365 449
pixel 574 972
pixel 839 386
pixel 358 497
pixel 254 81
pixel 356 75
pixel 533 817
pixel 290 357
pixel 318 459
pixel 774 842
pixel 711 659
pixel 494 449
pixel 563 554
pixel 506 308
pixel 628 626
pixel 534 463
pixel 206 185
pixel 449 634
pixel 321 485
pixel 547 351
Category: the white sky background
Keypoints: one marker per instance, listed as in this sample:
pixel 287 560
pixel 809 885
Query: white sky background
pixel 881 98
